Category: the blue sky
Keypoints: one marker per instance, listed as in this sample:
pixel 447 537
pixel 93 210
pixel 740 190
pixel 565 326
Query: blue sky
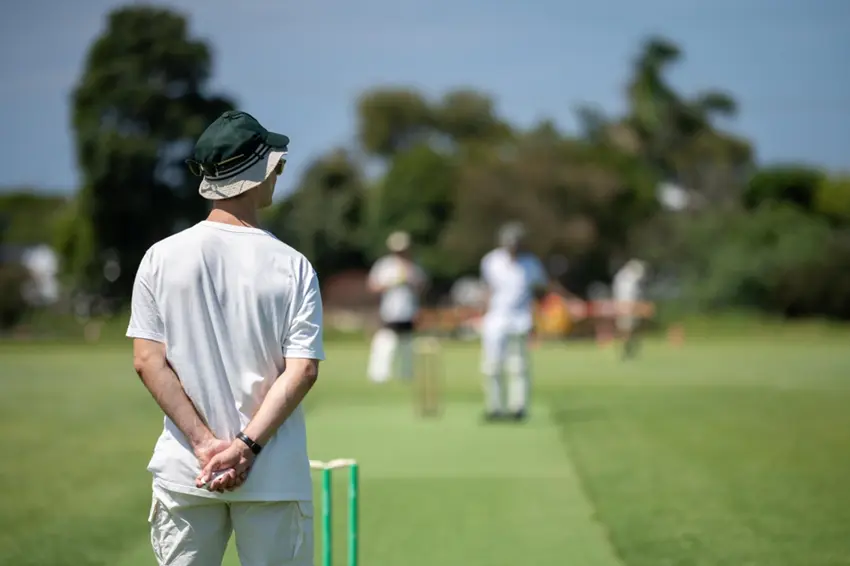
pixel 299 66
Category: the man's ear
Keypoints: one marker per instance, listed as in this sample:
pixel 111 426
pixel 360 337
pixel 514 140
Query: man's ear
pixel 265 192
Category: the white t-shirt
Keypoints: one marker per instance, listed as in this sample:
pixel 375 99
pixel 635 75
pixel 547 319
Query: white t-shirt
pixel 511 283
pixel 230 303
pixel 400 300
pixel 627 285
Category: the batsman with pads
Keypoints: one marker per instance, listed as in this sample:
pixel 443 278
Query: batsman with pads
pixel 513 276
pixel 400 282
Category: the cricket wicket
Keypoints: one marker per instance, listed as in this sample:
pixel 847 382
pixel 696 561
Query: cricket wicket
pixel 327 469
pixel 428 376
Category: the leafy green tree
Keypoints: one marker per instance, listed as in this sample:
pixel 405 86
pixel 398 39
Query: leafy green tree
pixel 323 218
pixel 778 258
pixel 832 199
pixel 14 278
pixel 653 102
pixel 792 184
pixel 594 125
pixel 139 105
pixel 421 144
pixel 453 171
pixel 392 120
pixel 677 135
pixel 578 199
pixel 417 195
pixel 27 217
pixel 466 116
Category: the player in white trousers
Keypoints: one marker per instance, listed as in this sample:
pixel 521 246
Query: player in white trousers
pixel 400 282
pixel 627 291
pixel 513 277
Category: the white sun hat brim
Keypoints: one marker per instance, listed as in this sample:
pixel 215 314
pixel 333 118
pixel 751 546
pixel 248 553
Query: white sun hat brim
pixel 244 177
pixel 398 241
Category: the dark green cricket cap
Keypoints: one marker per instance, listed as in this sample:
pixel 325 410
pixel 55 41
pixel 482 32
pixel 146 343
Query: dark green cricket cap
pixel 233 144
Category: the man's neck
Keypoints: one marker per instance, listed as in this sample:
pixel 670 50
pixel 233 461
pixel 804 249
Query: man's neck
pixel 234 215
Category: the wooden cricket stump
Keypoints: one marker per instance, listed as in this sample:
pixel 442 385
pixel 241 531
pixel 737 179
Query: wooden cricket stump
pixel 427 376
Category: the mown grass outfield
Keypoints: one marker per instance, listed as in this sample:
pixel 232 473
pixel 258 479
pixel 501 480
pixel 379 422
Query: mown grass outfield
pixel 725 452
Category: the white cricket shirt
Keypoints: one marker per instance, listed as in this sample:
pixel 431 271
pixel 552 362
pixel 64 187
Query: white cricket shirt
pixel 511 282
pixel 230 303
pixel 626 285
pixel 400 301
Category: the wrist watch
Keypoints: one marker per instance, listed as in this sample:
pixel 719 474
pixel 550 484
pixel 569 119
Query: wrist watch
pixel 255 448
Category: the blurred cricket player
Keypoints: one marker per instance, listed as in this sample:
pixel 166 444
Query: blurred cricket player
pixel 400 282
pixel 627 292
pixel 227 328
pixel 514 277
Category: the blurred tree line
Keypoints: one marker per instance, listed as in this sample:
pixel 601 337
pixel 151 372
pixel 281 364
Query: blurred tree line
pixel 664 182
pixel 26 219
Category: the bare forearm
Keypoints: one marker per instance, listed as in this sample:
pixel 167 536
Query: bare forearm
pixel 166 389
pixel 284 396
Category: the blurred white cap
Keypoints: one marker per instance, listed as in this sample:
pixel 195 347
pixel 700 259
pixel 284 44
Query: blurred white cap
pixel 636 266
pixel 398 241
pixel 511 234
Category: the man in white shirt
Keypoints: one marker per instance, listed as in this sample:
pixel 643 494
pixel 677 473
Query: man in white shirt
pixel 399 281
pixel 513 277
pixel 227 328
pixel 627 292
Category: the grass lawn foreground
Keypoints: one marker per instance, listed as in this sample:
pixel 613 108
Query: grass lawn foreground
pixel 724 452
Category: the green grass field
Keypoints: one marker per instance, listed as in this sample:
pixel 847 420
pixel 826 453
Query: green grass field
pixel 725 452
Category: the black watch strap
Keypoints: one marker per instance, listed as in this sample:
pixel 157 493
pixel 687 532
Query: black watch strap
pixel 255 448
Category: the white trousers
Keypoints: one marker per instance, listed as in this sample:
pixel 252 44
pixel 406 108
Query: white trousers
pixel 389 347
pixel 189 530
pixel 626 323
pixel 505 352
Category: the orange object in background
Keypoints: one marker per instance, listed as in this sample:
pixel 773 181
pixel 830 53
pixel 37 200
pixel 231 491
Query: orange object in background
pixel 552 316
